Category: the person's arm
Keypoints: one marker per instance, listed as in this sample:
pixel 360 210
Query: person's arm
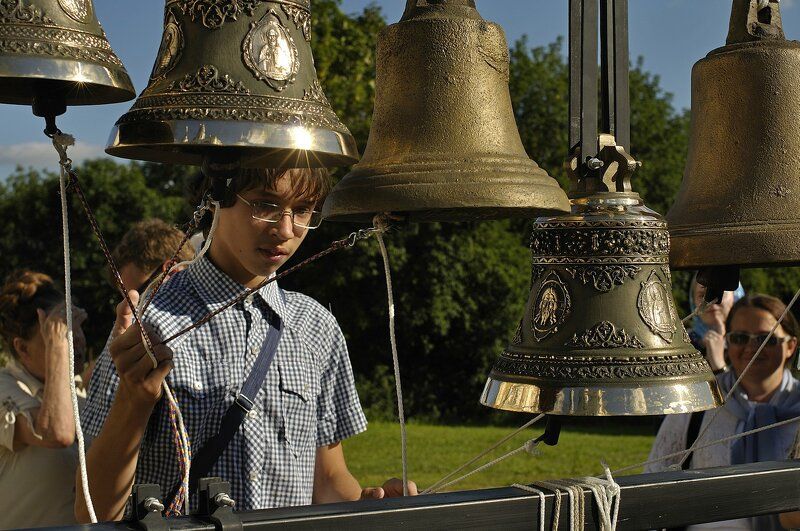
pixel 53 421
pixel 112 457
pixel 333 481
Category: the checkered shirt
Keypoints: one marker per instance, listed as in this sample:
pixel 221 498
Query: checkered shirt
pixel 307 400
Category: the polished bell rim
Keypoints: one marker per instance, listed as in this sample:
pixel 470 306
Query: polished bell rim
pixel 258 144
pixel 696 246
pixel 661 397
pixel 81 83
pixel 434 188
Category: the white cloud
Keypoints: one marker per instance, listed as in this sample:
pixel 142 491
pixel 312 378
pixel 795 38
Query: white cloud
pixel 43 155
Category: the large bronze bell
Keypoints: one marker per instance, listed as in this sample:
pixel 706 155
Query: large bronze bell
pixel 53 53
pixel 234 80
pixel 443 143
pixel 740 196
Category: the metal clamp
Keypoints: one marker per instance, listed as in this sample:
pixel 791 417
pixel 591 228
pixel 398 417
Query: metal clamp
pixel 148 507
pixel 216 505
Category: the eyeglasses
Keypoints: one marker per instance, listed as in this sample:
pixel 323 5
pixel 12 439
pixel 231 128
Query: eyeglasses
pixel 741 339
pixel 271 213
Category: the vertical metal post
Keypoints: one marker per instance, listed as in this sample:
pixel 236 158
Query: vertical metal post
pixel 615 91
pixel 622 98
pixel 588 79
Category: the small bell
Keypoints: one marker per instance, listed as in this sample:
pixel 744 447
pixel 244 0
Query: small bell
pixel 443 145
pixel 234 82
pixel 54 53
pixel 740 194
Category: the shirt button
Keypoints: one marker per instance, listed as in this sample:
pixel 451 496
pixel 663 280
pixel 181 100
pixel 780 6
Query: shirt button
pixel 249 299
pixel 253 476
pixel 252 414
pixel 197 386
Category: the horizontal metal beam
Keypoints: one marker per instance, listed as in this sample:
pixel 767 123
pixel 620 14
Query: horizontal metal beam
pixel 649 501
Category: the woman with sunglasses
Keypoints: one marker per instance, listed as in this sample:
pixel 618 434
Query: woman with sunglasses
pixel 767 393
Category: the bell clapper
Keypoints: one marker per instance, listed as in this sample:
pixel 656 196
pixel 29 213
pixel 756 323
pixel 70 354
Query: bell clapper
pixel 718 280
pixel 552 431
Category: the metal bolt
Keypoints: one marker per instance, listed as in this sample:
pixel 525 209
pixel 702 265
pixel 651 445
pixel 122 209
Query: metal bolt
pixel 594 163
pixel 223 500
pixel 153 505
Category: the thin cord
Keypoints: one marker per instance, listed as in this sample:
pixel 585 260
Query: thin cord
pixel 381 222
pixel 741 376
pixel 529 446
pixel 483 453
pixel 699 310
pixel 708 445
pixel 61 142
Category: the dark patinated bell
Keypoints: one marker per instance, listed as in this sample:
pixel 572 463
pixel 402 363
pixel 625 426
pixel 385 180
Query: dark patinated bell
pixel 234 81
pixel 740 194
pixel 600 334
pixel 54 53
pixel 443 143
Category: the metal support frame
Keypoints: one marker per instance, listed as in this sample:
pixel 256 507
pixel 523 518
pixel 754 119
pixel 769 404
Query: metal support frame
pixel 649 501
pixel 587 164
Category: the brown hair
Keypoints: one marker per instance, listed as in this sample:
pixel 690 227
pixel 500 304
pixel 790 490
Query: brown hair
pixel 22 294
pixel 311 184
pixel 150 243
pixel 772 305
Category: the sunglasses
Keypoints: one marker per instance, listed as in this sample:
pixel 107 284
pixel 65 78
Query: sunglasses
pixel 741 339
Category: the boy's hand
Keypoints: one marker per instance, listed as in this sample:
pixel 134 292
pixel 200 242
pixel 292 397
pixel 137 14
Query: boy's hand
pixel 393 488
pixel 139 381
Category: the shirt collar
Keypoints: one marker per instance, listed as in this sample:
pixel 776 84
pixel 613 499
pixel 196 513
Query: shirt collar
pixel 216 288
pixel 34 385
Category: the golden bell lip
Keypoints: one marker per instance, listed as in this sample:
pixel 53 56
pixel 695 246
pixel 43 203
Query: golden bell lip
pixel 648 398
pixel 80 83
pixel 258 144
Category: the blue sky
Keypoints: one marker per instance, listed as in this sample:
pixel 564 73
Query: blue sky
pixel 670 34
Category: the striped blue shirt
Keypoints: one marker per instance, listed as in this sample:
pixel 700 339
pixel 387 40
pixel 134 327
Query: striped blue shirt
pixel 307 400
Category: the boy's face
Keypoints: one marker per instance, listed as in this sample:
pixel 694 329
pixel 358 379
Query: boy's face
pixel 248 249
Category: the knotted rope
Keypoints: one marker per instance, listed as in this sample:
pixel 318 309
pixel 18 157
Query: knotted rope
pixel 606 493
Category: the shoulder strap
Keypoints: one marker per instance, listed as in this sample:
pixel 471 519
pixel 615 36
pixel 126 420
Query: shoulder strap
pixel 691 436
pixel 208 455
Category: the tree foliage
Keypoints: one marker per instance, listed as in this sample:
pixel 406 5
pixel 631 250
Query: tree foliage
pixel 459 289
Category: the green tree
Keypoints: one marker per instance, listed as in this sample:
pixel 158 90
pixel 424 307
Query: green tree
pixel 30 208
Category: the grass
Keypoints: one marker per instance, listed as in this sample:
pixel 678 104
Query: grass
pixel 435 451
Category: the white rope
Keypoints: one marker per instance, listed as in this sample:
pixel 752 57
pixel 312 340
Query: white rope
pixel 483 453
pixel 741 376
pixel 606 493
pixel 575 497
pixel 539 493
pixel 61 142
pixel 699 310
pixel 529 446
pixel 380 222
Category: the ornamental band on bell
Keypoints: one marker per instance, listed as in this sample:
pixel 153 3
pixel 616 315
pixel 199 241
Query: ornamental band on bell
pixel 551 307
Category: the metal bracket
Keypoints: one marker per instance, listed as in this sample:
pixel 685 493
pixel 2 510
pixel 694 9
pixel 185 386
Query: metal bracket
pixel 148 507
pixel 216 505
